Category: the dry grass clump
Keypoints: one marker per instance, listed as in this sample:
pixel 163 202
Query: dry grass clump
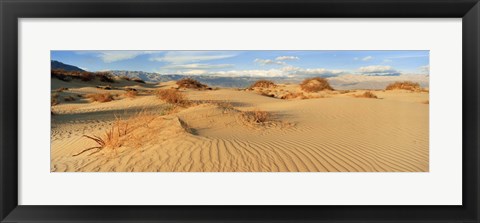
pixel 291 95
pixel 255 116
pixel 404 85
pixel 171 96
pixel 426 102
pixel 120 133
pixel 190 83
pixel 263 83
pixel 366 94
pixel 105 97
pixel 315 84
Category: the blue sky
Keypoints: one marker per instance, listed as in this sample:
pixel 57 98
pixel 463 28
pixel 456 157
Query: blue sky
pixel 253 63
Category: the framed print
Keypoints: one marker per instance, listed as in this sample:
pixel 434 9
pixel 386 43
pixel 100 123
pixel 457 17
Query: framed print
pixel 226 111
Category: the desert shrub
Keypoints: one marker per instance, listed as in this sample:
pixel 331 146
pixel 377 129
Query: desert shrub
pixel 105 97
pixel 138 80
pixel 69 98
pixel 404 85
pixel 190 83
pixel 263 83
pixel 366 94
pixel 172 96
pixel 315 84
pixel 255 116
pixel 291 95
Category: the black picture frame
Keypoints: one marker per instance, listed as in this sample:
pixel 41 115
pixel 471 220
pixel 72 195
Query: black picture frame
pixel 12 10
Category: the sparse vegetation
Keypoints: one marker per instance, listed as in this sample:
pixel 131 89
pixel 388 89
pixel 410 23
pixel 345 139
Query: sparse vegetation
pixel 120 133
pixel 315 84
pixel 366 94
pixel 291 95
pixel 172 96
pixel 105 97
pixel 426 102
pixel 190 83
pixel 263 84
pixel 255 116
pixel 404 85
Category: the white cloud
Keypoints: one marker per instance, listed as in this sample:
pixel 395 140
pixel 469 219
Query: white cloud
pixel 387 60
pixel 367 58
pixel 311 72
pixel 113 56
pixel 287 58
pixel 250 73
pixel 194 72
pixel 356 58
pixel 197 66
pixel 378 70
pixel 269 62
pixel 288 71
pixel 182 57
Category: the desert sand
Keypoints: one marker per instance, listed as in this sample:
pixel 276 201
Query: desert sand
pixel 331 131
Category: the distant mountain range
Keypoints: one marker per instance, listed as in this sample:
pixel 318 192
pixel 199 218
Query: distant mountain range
pixel 214 81
pixel 339 82
pixel 59 65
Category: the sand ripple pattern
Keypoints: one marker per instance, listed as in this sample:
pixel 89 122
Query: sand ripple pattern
pixel 328 135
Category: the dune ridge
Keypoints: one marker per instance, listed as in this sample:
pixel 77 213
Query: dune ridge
pixel 337 132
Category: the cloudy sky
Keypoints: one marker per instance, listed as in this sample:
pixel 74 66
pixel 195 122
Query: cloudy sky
pixel 253 63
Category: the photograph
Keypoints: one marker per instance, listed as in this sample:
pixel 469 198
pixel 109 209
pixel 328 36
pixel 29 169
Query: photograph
pixel 239 110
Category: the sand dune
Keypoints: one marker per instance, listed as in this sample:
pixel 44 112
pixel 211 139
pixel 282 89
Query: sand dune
pixel 336 132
